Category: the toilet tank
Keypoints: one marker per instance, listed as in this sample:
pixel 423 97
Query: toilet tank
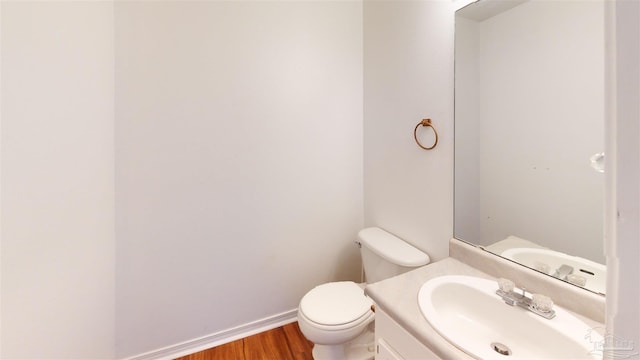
pixel 385 255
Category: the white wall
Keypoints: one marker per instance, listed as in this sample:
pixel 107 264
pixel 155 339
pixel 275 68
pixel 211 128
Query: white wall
pixel 238 162
pixel 57 180
pixel 466 205
pixel 623 283
pixel 408 67
pixel 539 101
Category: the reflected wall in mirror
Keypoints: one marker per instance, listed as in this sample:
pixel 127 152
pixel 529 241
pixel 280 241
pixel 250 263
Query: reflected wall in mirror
pixel 529 115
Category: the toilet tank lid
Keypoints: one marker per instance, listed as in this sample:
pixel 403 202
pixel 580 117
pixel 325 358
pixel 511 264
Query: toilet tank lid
pixel 392 248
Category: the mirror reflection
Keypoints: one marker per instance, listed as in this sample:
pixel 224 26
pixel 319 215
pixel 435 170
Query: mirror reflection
pixel 529 134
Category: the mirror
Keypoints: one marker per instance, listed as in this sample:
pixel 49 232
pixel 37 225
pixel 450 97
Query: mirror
pixel 529 134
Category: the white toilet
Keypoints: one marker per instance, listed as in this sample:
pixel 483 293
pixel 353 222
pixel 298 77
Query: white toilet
pixel 337 317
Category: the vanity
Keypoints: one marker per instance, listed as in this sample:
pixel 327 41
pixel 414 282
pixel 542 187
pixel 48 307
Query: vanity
pixel 403 332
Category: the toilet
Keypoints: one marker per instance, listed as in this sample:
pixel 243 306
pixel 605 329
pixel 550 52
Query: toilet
pixel 338 317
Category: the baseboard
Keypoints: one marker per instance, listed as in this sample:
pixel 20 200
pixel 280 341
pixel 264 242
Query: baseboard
pixel 219 338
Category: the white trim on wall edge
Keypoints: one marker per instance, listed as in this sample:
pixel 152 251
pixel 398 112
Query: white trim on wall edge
pixel 219 338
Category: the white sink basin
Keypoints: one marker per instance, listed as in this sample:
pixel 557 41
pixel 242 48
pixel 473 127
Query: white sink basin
pixel 594 273
pixel 466 311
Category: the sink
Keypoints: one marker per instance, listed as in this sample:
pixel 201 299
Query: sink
pixel 594 273
pixel 466 311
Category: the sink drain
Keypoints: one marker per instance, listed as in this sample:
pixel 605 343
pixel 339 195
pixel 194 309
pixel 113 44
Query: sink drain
pixel 501 349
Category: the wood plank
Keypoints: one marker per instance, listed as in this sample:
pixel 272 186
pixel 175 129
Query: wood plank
pixel 268 345
pixel 301 348
pixel 229 351
pixel 283 343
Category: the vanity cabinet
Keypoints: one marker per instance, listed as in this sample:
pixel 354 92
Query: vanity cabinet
pixel 393 342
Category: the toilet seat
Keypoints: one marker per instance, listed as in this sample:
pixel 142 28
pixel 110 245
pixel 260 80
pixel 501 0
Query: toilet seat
pixel 337 305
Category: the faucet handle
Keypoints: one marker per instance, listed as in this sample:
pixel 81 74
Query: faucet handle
pixel 542 303
pixel 506 285
pixel 577 279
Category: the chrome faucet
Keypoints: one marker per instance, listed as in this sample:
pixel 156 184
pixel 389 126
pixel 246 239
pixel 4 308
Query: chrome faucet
pixel 562 272
pixel 536 303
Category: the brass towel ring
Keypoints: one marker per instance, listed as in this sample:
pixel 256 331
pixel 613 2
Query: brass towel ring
pixel 425 122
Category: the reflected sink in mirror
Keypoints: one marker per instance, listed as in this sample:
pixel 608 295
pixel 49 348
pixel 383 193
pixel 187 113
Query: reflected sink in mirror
pixel 467 312
pixel 583 272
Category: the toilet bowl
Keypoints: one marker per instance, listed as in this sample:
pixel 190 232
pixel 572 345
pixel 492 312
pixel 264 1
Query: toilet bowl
pixel 337 317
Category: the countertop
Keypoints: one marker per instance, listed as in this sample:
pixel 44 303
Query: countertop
pixel 398 297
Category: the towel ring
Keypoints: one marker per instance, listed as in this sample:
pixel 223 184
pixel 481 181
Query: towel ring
pixel 425 122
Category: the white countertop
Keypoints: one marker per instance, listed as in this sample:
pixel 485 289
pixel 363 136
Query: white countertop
pixel 398 297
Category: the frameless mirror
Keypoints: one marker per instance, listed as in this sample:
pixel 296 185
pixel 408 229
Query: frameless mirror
pixel 529 134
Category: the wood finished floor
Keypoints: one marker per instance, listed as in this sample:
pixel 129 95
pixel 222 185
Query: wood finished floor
pixel 283 343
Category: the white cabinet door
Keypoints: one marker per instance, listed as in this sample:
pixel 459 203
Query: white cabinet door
pixel 386 352
pixel 393 342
